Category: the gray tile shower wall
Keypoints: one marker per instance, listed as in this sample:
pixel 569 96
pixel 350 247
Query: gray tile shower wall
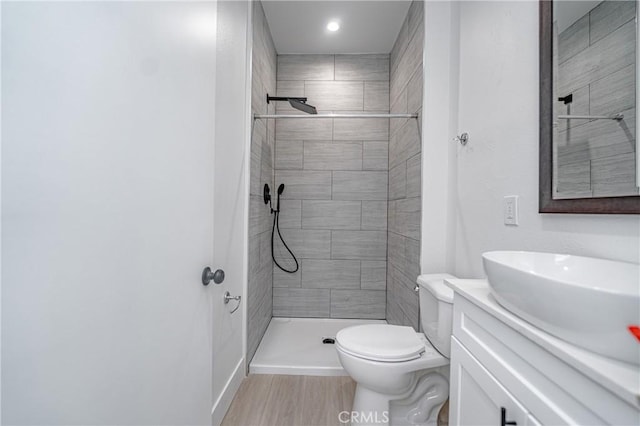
pixel 403 223
pixel 260 286
pixel 595 58
pixel 335 171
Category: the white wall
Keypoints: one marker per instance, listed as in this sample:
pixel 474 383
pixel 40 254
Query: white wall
pixel 439 123
pixel 498 107
pixel 231 195
pixel 0 222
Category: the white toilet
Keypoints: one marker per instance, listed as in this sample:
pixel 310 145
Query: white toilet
pixel 402 376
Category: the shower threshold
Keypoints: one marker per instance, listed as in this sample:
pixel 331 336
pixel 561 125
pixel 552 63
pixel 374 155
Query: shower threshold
pixel 294 346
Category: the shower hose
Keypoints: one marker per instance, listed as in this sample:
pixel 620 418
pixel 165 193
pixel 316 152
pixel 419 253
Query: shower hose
pixel 276 226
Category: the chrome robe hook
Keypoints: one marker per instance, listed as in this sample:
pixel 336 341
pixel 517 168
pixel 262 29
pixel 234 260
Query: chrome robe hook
pixel 463 138
pixel 228 297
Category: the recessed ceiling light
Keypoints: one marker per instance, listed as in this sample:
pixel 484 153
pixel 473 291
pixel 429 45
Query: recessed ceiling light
pixel 333 26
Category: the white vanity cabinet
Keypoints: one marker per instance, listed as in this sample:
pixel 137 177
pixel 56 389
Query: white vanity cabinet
pixel 480 398
pixel 506 372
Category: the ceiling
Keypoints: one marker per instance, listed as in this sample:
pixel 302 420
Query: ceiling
pixel 365 26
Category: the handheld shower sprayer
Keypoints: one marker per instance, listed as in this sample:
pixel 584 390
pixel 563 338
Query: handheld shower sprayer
pixel 280 191
pixel 266 194
pixel 276 225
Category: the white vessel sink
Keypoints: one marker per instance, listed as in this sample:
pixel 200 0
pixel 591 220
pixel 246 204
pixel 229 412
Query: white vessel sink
pixel 592 303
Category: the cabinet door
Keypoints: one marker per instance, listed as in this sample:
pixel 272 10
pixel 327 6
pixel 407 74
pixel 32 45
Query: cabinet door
pixel 477 398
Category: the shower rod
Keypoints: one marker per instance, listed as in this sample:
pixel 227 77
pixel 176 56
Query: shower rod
pixel 259 116
pixel 616 117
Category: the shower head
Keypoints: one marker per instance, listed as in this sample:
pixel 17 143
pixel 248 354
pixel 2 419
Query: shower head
pixel 302 106
pixel 298 103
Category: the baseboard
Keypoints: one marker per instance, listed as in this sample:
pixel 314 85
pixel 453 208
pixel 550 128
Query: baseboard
pixel 224 401
pixel 297 371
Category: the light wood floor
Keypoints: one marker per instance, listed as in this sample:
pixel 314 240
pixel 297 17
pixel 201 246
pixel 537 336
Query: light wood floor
pixel 276 400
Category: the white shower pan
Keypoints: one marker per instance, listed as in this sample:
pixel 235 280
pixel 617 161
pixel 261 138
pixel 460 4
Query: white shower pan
pixel 294 346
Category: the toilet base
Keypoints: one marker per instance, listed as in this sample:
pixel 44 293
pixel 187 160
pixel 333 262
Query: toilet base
pixel 370 408
pixel 419 406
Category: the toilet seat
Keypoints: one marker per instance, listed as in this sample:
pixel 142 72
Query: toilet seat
pixel 381 342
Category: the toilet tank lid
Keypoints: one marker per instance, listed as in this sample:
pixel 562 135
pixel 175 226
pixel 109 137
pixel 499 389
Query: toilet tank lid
pixel 434 283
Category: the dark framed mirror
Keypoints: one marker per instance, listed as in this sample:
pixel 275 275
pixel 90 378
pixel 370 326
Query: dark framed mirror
pixel 588 97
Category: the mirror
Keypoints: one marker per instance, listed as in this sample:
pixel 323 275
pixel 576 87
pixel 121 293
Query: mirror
pixel 588 96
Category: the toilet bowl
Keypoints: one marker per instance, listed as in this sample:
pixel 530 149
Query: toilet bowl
pixel 402 376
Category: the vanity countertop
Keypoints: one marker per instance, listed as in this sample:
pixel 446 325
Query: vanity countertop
pixel 620 378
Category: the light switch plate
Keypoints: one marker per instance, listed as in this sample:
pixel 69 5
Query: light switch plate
pixel 510 210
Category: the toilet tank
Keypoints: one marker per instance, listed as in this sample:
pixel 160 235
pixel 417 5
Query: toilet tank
pixel 436 311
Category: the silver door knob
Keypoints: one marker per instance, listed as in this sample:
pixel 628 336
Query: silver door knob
pixel 208 275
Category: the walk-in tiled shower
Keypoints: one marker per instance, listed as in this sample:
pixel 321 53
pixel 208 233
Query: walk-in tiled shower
pixel 335 173
pixel 350 209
